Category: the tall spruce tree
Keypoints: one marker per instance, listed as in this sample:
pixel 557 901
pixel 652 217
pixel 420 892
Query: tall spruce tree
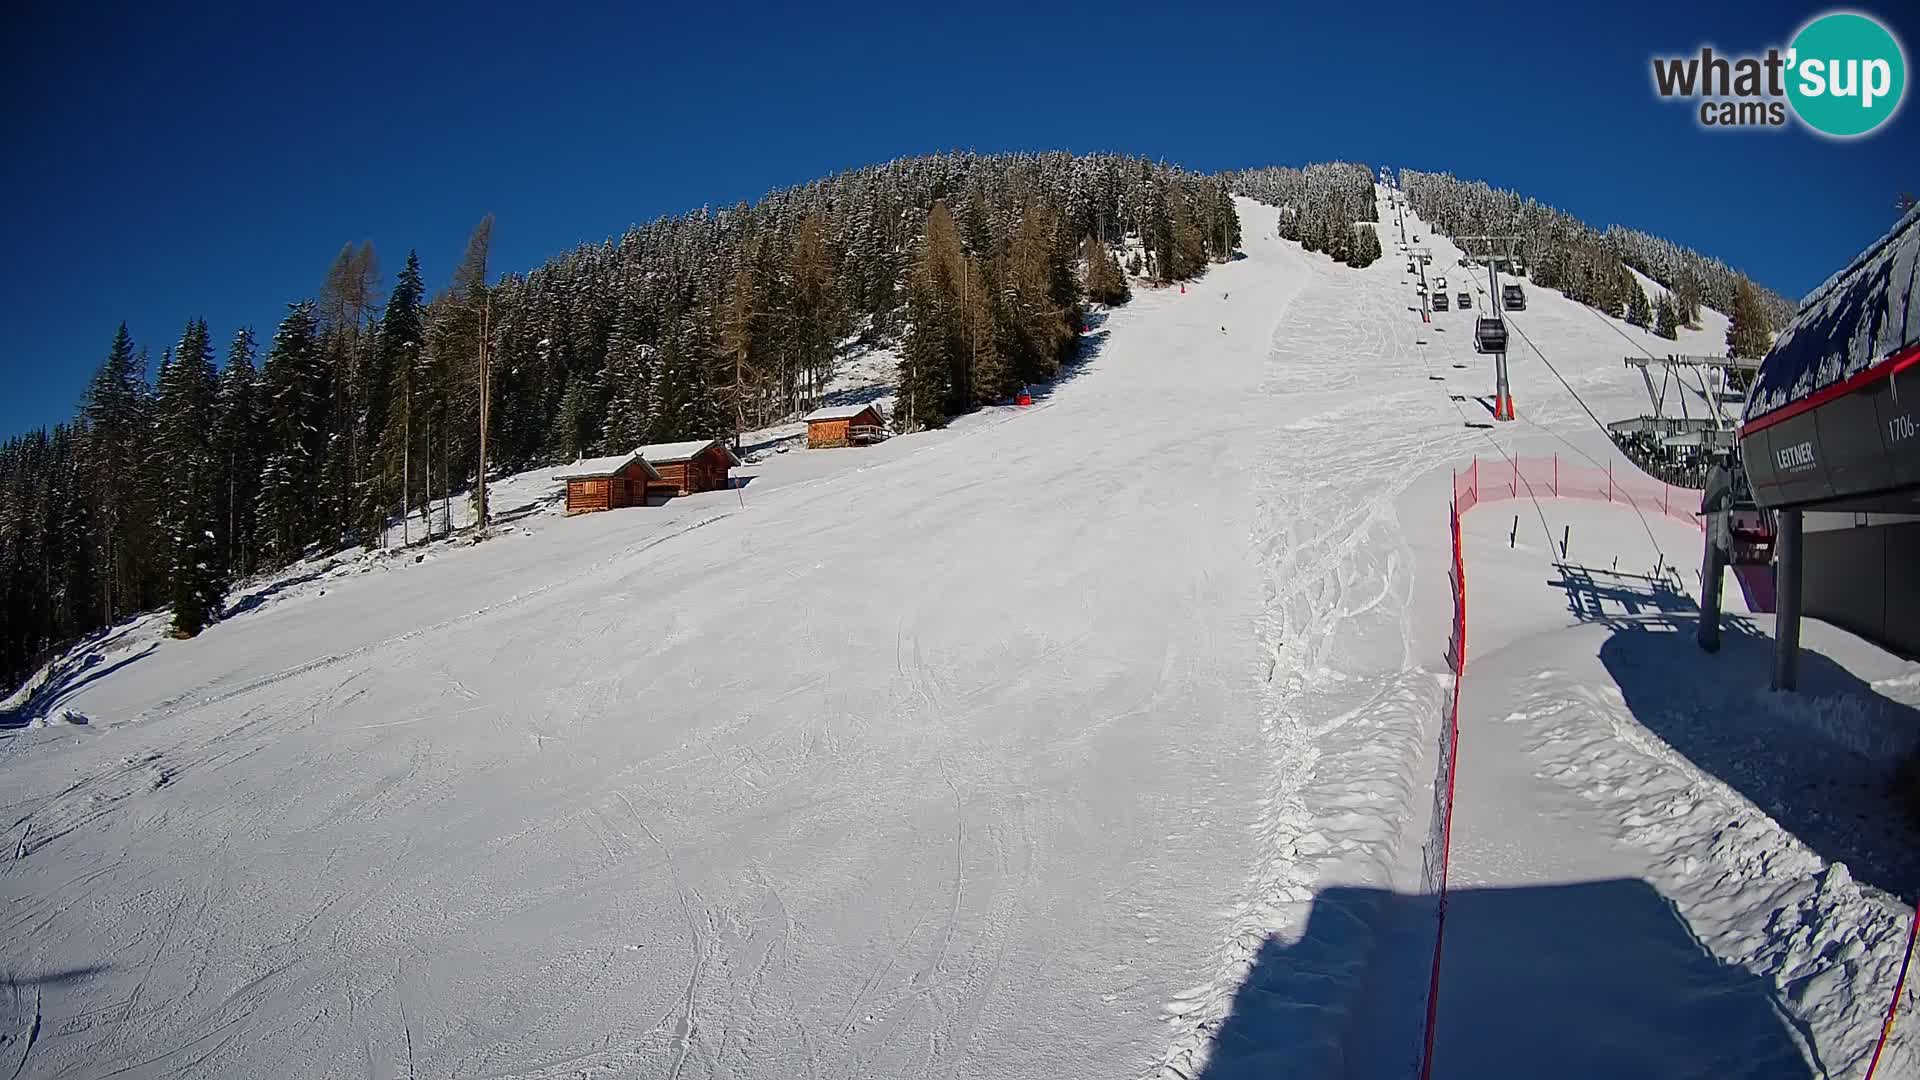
pixel 1666 317
pixel 296 407
pixel 1639 312
pixel 238 443
pixel 188 469
pixel 118 414
pixel 687 407
pixel 1686 304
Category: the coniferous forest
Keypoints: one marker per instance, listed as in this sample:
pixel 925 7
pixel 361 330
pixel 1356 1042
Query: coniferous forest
pixel 229 453
pixel 1321 206
pixel 1588 265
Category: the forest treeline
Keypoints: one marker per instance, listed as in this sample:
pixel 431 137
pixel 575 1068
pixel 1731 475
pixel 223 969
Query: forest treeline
pixel 1322 206
pixel 1590 266
pixel 227 457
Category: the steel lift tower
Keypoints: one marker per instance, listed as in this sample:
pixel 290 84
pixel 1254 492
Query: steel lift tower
pixel 1707 382
pixel 1507 249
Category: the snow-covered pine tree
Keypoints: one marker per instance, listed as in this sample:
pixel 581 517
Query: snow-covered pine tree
pixel 188 470
pixel 237 444
pixel 631 372
pixel 686 405
pixel 1666 317
pixel 1639 311
pixel 293 385
pixel 576 426
pixel 1365 247
pixel 118 415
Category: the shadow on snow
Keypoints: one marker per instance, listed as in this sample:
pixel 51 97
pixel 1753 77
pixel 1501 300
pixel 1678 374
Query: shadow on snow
pixel 82 668
pixel 1594 979
pixel 1819 761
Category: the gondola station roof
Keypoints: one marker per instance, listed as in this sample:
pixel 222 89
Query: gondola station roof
pixel 1831 420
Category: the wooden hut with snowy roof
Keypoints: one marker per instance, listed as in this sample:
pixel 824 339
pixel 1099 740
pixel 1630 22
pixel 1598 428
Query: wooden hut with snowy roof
pixel 845 425
pixel 607 483
pixel 683 468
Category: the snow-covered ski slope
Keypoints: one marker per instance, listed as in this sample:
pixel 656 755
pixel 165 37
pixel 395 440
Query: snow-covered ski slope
pixel 1088 739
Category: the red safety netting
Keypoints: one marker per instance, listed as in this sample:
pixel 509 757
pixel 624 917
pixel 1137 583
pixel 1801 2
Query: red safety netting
pixel 1435 854
pixel 1549 476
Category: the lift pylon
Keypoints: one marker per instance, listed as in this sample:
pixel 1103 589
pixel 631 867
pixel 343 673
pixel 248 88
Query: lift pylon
pixel 1498 249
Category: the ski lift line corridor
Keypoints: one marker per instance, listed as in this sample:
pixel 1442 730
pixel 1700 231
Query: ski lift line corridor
pixel 1347 692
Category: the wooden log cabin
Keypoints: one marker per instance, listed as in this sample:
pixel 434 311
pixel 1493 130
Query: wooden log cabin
pixel 607 483
pixel 845 425
pixel 683 468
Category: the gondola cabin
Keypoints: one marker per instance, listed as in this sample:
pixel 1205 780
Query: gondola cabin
pixel 845 425
pixel 1489 336
pixel 607 483
pixel 684 468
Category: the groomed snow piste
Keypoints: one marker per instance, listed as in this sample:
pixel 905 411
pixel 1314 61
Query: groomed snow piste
pixel 1094 738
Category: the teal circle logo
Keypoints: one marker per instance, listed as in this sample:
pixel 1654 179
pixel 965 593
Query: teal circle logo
pixel 1846 74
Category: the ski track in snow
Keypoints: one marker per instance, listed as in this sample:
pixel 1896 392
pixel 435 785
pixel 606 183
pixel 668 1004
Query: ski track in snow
pixel 1348 705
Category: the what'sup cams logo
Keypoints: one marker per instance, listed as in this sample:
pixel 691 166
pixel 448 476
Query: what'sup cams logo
pixel 1844 75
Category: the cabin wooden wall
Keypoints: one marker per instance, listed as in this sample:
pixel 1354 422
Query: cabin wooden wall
pixel 585 495
pixel 672 480
pixel 710 469
pixel 822 434
pixel 630 487
pixel 625 488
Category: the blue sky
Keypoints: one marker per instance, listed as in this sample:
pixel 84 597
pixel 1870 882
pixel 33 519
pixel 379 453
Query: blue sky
pixel 164 165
